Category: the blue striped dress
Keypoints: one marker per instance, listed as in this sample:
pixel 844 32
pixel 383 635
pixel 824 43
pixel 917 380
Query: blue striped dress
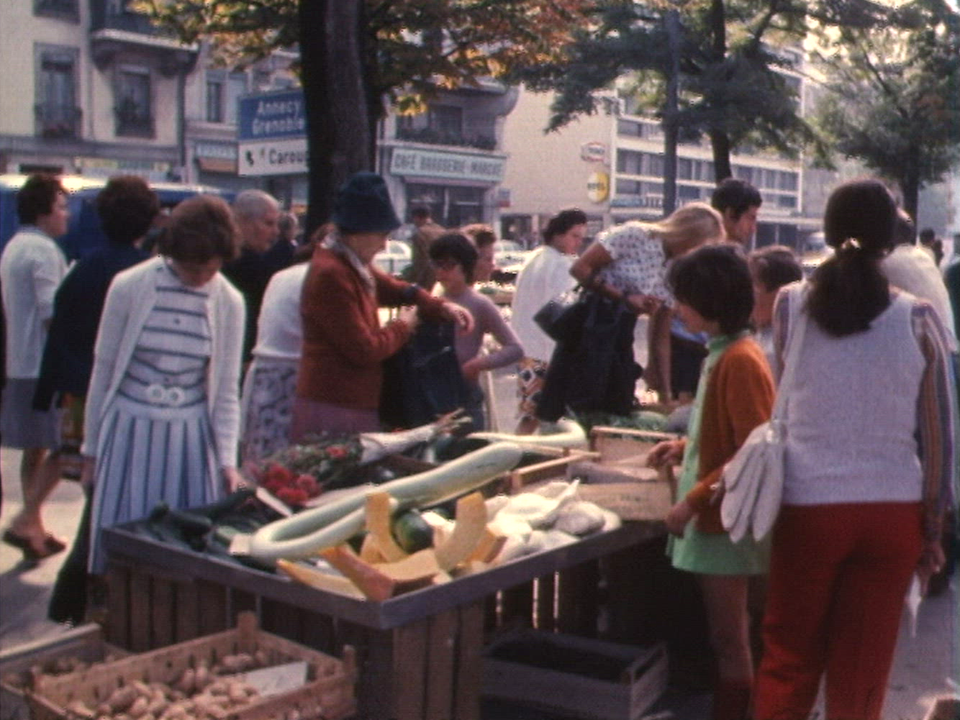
pixel 157 443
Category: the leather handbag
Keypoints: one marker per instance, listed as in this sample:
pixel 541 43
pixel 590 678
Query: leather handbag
pixel 562 317
pixel 753 479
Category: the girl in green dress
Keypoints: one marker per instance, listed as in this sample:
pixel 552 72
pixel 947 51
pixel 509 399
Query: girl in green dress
pixel 714 294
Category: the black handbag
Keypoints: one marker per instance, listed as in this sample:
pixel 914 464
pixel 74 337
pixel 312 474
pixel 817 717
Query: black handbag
pixel 563 316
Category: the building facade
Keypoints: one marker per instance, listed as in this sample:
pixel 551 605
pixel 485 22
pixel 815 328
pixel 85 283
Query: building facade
pixel 611 165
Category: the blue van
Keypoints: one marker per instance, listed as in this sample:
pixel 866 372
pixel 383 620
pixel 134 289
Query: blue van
pixel 84 233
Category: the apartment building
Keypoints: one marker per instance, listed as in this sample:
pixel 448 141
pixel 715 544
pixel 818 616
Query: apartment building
pixel 611 165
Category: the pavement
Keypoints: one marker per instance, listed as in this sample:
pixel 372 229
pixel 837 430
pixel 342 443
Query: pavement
pixel 926 666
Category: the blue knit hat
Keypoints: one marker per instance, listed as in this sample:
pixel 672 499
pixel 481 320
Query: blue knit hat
pixel 363 205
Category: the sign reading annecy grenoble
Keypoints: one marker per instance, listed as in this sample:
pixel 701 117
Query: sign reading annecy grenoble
pixel 446 165
pixel 272 134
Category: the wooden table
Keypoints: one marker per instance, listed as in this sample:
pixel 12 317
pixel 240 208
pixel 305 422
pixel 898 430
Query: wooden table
pixel 418 654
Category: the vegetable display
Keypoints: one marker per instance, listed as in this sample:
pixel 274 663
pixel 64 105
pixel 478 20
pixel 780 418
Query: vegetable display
pixel 311 530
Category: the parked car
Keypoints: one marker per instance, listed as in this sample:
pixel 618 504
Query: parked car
pixel 83 233
pixel 394 258
pixel 815 251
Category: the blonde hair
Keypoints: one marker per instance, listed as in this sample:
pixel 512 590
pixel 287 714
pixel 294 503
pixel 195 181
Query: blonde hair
pixel 688 227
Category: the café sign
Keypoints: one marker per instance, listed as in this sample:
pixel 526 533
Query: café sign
pixel 453 166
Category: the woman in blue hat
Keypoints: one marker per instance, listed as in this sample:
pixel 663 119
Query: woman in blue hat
pixel 344 345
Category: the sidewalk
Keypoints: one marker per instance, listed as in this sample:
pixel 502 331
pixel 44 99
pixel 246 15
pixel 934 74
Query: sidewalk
pixel 925 667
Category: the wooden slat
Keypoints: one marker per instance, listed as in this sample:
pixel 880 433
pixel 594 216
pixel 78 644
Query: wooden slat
pixel 118 605
pixel 141 587
pixel 163 607
pixel 212 607
pixel 410 679
pixel 516 606
pixel 577 599
pixel 375 667
pixel 441 654
pixel 546 588
pixel 187 625
pixel 469 663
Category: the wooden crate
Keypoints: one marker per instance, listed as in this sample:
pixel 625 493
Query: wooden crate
pixel 85 643
pixel 606 681
pixel 328 692
pixel 619 479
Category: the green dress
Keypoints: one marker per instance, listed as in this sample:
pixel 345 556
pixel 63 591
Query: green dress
pixel 711 553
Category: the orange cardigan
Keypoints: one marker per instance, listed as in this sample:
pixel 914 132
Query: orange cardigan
pixel 739 396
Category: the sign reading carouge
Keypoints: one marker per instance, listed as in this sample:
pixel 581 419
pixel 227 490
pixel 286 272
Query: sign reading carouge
pixel 425 163
pixel 272 134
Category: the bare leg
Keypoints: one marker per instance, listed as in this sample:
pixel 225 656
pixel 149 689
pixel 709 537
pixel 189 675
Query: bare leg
pixel 725 598
pixel 39 475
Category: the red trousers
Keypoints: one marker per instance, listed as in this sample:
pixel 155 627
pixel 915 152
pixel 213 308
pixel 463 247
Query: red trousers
pixel 838 576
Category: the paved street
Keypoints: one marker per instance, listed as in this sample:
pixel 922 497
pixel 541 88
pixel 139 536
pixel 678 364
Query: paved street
pixel 923 668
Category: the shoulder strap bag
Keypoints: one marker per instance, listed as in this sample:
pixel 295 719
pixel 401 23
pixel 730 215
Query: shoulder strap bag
pixel 753 478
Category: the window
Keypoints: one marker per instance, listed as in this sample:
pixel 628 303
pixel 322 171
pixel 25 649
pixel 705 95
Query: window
pixel 446 119
pixel 134 107
pixel 629 128
pixel 685 169
pixel 788 181
pixel 628 187
pixel 62 9
pixel 56 111
pixel 688 192
pixel 654 165
pixel 236 86
pixel 628 162
pixel 787 201
pixel 215 100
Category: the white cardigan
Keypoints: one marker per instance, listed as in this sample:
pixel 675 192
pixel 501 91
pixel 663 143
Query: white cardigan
pixel 130 299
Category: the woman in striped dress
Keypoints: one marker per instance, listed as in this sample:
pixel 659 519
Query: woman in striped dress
pixel 162 415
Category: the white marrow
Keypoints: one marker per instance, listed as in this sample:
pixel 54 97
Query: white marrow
pixel 569 433
pixel 309 531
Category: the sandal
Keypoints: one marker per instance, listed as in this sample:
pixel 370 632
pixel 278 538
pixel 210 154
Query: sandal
pixel 51 546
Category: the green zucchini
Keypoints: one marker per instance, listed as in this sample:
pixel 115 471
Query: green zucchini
pixel 411 531
pixel 311 530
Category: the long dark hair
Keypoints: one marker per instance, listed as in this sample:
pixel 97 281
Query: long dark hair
pixel 849 289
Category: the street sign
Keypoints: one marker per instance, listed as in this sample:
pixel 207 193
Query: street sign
pixel 272 134
pixel 273 157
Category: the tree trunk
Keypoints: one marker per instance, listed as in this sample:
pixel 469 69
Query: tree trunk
pixel 719 139
pixel 670 134
pixel 338 124
pixel 910 188
pixel 720 144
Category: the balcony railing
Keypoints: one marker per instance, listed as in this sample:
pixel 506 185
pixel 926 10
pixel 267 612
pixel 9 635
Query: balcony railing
pixel 106 18
pixel 133 122
pixel 429 136
pixel 58 121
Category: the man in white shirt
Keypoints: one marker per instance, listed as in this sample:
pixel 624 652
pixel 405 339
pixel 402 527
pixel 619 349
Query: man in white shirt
pixel 545 274
pixel 31 268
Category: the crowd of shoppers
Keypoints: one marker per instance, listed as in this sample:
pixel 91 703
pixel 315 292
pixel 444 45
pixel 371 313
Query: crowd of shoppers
pixel 150 352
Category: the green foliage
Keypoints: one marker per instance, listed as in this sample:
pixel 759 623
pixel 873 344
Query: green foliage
pixel 893 95
pixel 415 47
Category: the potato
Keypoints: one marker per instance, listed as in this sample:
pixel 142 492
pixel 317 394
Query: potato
pixel 79 709
pixel 122 698
pixel 261 658
pixel 202 676
pixel 139 707
pixel 187 682
pixel 237 693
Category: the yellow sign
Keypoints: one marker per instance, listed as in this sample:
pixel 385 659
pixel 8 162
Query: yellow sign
pixel 598 187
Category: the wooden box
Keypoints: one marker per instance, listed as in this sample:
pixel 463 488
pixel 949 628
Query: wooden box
pixel 84 644
pixel 580 677
pixel 328 692
pixel 619 479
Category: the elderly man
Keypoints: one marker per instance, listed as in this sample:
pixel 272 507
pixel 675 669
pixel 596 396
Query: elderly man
pixel 31 269
pixel 257 215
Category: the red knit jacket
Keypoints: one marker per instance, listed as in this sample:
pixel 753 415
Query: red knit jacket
pixel 343 342
pixel 739 396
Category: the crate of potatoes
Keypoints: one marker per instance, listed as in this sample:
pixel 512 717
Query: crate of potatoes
pixel 239 674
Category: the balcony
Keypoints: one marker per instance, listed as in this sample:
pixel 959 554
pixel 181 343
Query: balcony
pixel 57 122
pixel 429 136
pixel 113 31
pixel 133 121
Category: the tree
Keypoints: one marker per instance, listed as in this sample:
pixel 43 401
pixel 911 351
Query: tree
pixel 729 85
pixel 359 57
pixel 893 95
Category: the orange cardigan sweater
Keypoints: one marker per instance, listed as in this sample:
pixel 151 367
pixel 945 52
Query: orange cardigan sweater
pixel 739 396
